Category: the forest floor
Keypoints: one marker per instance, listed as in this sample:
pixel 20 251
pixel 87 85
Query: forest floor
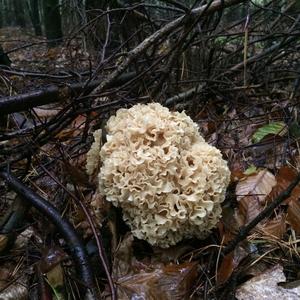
pixel 257 133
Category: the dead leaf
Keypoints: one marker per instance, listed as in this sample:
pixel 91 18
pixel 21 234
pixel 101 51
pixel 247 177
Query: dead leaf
pixel 122 264
pixel 55 278
pixel 258 185
pixel 138 280
pixel 275 227
pixel 3 242
pixel 265 286
pixel 76 174
pixel 51 258
pixel 171 282
pixel 228 226
pixel 226 268
pixel 251 193
pixel 16 290
pixel 284 178
pixel 293 215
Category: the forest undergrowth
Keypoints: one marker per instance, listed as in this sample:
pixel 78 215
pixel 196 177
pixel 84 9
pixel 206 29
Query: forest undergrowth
pixel 246 106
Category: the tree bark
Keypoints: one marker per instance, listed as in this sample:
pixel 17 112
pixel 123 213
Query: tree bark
pixel 52 94
pixel 1 14
pixel 19 13
pixel 52 22
pixel 35 16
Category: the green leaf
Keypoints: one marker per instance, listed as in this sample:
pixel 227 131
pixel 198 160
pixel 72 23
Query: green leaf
pixel 271 128
pixel 250 170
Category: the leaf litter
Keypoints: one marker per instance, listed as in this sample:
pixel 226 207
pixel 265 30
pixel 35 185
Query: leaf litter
pixel 261 155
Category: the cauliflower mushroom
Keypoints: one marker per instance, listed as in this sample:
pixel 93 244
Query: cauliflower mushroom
pixel 158 169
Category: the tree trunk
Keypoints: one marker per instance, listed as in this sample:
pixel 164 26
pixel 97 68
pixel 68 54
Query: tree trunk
pixel 4 59
pixel 19 12
pixel 52 22
pixel 35 16
pixel 8 15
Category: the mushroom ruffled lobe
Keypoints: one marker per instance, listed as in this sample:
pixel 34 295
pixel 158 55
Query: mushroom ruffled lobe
pixel 157 167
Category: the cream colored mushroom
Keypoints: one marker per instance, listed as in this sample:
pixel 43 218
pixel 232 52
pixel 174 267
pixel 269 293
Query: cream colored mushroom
pixel 157 167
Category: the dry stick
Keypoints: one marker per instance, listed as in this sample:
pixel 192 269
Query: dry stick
pixel 65 228
pixel 253 59
pixel 52 94
pixel 132 55
pixel 245 230
pixel 98 239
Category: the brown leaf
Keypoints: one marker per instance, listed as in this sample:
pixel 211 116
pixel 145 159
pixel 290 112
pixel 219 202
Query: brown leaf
pixel 293 215
pixel 51 258
pixel 3 242
pixel 251 193
pixel 236 175
pixel 226 268
pixel 171 282
pixel 123 257
pixel 229 263
pixel 284 178
pixel 150 281
pixel 229 225
pixel 275 227
pixel 77 176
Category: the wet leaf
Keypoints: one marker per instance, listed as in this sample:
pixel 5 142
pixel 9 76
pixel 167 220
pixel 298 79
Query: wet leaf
pixel 55 278
pixel 226 268
pixel 265 286
pixel 228 227
pixel 271 128
pixel 251 193
pixel 138 280
pixel 122 264
pixel 293 215
pixel 284 178
pixel 51 258
pixel 275 227
pixel 170 282
pixel 229 263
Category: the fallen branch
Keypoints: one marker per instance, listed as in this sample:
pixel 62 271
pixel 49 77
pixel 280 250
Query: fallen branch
pixel 97 236
pixel 65 228
pixel 245 230
pixel 54 93
pixel 12 222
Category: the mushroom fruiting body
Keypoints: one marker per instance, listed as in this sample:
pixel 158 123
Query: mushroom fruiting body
pixel 157 167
